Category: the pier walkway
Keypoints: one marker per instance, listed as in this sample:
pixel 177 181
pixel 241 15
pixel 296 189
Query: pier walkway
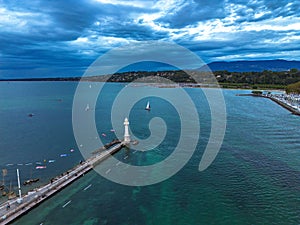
pixel 11 209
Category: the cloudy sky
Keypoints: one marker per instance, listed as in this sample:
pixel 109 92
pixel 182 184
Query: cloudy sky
pixel 43 38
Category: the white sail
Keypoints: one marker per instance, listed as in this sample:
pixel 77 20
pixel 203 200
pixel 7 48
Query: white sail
pixel 148 106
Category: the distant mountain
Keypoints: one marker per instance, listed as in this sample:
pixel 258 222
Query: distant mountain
pixel 253 66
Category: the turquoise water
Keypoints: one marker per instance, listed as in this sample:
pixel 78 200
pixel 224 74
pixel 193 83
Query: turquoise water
pixel 255 178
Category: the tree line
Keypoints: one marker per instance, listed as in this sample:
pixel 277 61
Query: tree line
pixel 252 80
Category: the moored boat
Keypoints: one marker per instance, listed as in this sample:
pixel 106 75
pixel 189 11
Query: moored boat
pixel 30 181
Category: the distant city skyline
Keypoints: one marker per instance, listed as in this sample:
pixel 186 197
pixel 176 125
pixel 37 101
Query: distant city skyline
pixel 62 38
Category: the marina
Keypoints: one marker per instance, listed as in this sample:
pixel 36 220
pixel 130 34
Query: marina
pixel 291 102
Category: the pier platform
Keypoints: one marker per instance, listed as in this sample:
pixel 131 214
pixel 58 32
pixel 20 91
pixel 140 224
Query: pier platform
pixel 11 210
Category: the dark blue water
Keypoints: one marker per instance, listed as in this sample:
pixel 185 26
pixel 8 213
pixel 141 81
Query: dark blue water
pixel 255 178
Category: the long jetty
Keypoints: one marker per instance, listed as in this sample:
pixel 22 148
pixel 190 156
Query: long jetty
pixel 11 210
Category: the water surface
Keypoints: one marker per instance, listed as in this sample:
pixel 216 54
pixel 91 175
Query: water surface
pixel 255 178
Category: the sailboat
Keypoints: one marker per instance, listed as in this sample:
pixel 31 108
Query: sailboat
pixel 148 106
pixel 2 187
pixel 11 193
pixel 87 108
pixel 4 173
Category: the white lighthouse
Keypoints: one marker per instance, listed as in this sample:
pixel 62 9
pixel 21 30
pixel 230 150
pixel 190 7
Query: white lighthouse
pixel 126 133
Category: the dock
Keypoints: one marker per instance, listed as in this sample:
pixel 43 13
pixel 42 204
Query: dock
pixel 11 210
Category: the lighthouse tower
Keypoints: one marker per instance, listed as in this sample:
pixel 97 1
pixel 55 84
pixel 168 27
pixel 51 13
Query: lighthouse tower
pixel 126 133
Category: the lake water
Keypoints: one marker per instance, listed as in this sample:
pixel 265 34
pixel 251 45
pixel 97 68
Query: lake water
pixel 255 178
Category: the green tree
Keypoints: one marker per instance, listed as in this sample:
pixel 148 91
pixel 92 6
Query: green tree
pixel 293 88
pixel 293 70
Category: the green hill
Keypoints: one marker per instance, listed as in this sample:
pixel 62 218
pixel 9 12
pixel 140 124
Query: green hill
pixel 293 88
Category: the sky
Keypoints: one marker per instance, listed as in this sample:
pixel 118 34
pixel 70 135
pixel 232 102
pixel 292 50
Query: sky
pixel 44 38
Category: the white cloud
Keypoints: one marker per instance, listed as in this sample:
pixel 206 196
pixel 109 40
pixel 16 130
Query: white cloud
pixel 22 22
pixel 276 24
pixel 139 4
pixel 80 40
pixel 93 45
pixel 259 56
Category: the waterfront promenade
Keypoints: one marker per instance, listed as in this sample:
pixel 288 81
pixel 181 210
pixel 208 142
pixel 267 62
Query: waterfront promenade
pixel 11 209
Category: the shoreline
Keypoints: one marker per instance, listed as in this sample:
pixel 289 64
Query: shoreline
pixel 158 85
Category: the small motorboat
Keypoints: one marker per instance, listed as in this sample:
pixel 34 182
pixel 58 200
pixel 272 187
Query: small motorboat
pixel 40 167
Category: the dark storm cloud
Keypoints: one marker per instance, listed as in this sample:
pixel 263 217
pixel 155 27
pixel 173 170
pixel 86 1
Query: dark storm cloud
pixel 269 9
pixel 48 25
pixel 48 38
pixel 203 10
pixel 67 15
pixel 131 30
pixel 195 11
pixel 241 43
